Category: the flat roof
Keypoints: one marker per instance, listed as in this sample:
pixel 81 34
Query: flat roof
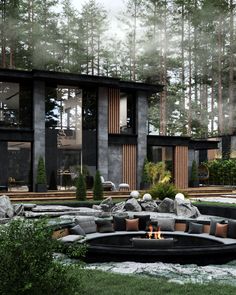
pixel 73 78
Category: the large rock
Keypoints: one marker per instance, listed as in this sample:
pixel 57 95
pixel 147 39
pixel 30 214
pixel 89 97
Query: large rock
pixel 132 205
pixel 149 206
pixel 6 208
pixel 119 207
pixel 185 208
pixel 166 206
pixel 107 204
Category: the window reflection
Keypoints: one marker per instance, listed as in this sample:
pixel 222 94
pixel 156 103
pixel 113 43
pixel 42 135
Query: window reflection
pixel 15 105
pixel 127 113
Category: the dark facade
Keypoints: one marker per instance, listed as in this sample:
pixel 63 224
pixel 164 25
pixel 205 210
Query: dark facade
pixel 76 121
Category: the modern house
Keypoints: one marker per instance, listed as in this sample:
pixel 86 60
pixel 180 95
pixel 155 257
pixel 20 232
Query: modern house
pixel 76 121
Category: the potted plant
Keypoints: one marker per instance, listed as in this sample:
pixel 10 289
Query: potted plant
pixel 194 181
pixel 41 182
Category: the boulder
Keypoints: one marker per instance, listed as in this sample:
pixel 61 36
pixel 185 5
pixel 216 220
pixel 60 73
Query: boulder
pixel 119 207
pixel 6 208
pixel 149 206
pixel 166 206
pixel 132 205
pixel 185 208
pixel 107 204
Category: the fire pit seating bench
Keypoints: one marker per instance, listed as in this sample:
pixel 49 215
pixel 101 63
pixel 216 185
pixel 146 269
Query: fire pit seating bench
pixel 89 228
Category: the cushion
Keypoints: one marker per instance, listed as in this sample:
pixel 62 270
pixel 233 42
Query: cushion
pixel 213 225
pixel 87 223
pixel 104 226
pixel 143 221
pixel 70 238
pixel 221 230
pixel 195 228
pixel 77 230
pixel 119 223
pixel 231 229
pixel 166 224
pixel 132 224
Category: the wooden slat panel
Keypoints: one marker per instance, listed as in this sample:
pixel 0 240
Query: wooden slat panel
pixel 129 165
pixel 113 110
pixel 181 167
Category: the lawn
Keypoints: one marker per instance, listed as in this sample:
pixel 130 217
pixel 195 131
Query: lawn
pixel 104 283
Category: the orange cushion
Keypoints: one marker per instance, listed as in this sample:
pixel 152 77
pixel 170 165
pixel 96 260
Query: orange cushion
pixel 221 230
pixel 132 224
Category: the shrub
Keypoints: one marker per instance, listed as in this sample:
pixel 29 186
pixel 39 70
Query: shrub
pixel 157 172
pixel 145 176
pixel 163 190
pixel 41 173
pixel 81 188
pixel 26 262
pixel 97 187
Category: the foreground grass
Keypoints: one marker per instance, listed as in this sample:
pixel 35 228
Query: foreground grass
pixel 218 204
pixel 104 283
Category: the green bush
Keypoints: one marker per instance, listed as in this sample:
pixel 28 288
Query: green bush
pixel 41 173
pixel 97 187
pixel 81 188
pixel 26 262
pixel 163 190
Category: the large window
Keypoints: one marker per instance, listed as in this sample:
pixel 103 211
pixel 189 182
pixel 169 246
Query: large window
pixel 162 154
pixel 15 105
pixel 127 113
pixel 71 122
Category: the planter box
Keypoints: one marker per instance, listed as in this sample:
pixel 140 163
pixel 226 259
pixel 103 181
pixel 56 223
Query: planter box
pixel 41 188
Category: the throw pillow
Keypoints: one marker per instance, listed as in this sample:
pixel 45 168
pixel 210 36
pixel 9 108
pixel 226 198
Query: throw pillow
pixel 221 230
pixel 231 229
pixel 143 221
pixel 87 223
pixel 104 226
pixel 119 223
pixel 195 228
pixel 132 205
pixel 166 224
pixel 132 224
pixel 213 225
pixel 77 230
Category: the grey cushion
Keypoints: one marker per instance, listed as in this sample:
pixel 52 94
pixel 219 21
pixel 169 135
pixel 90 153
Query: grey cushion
pixel 231 229
pixel 104 226
pixel 87 223
pixel 77 230
pixel 70 238
pixel 195 228
pixel 166 224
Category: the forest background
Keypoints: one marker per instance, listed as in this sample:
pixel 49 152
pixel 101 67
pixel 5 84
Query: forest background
pixel 187 46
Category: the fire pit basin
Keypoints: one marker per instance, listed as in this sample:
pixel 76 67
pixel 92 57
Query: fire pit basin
pixel 144 243
pixel 177 247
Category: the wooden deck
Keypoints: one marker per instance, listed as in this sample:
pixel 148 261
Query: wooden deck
pixel 70 195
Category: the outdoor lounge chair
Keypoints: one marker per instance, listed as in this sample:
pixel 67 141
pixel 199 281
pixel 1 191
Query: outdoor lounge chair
pixel 108 185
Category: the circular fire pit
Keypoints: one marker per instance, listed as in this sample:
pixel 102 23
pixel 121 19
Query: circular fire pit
pixel 176 247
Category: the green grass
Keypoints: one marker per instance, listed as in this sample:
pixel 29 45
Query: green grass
pixel 219 204
pixel 104 283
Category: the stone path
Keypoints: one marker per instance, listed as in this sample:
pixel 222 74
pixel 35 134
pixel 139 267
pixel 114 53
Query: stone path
pixel 222 274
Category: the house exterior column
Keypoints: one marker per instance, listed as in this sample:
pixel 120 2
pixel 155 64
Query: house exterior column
pixel 38 125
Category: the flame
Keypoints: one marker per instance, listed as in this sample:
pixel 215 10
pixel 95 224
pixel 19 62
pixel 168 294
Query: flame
pixel 156 235
pixel 150 231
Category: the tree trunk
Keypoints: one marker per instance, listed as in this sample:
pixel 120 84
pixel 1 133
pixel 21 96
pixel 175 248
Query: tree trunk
pixel 232 108
pixel 189 81
pixel 220 99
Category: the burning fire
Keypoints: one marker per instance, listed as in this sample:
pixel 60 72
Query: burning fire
pixel 154 234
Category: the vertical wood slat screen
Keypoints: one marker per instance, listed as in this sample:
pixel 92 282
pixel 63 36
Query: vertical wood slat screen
pixel 113 110
pixel 181 166
pixel 129 165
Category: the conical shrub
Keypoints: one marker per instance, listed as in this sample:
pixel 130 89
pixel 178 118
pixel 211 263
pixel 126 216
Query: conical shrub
pixel 97 187
pixel 81 188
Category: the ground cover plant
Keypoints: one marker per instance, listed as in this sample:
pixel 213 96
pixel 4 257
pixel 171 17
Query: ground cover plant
pixel 27 266
pixel 103 283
